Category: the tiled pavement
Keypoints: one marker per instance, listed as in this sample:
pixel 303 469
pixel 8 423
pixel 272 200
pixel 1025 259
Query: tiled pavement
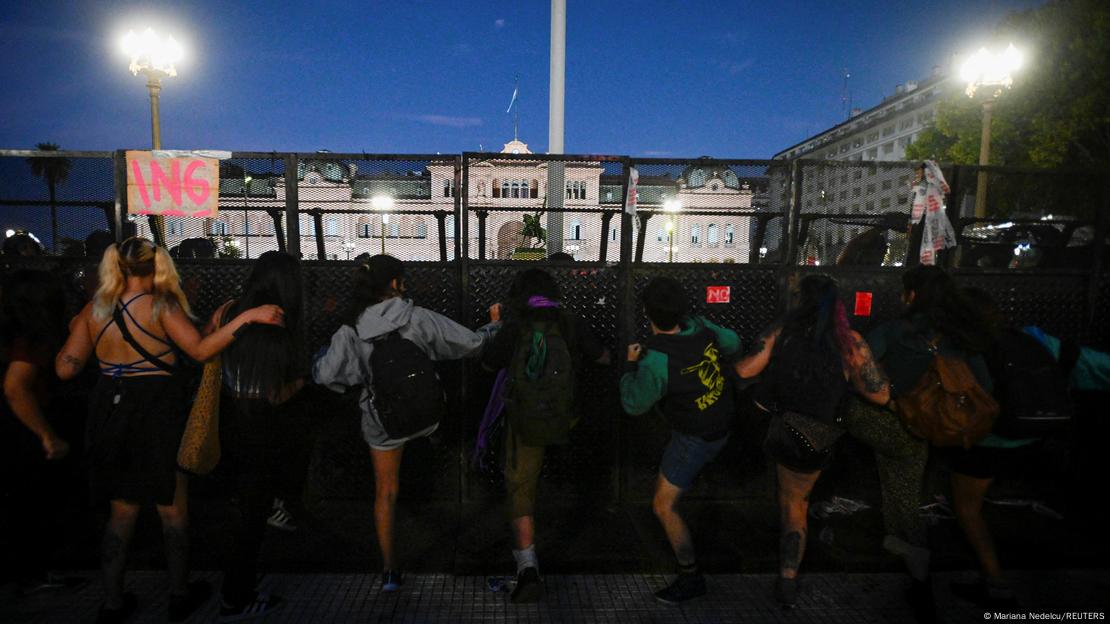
pixel 608 598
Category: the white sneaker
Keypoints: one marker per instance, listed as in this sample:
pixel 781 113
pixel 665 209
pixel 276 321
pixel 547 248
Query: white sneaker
pixel 280 517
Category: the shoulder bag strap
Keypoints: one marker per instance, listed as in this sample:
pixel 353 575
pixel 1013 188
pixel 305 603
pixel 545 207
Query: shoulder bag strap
pixel 117 317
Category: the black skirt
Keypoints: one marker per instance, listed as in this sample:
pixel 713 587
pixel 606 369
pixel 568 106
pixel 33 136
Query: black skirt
pixel 134 431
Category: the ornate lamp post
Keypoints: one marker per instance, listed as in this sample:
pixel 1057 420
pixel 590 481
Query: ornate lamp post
pixel 671 207
pixel 383 203
pixel 988 69
pixel 348 247
pixel 154 57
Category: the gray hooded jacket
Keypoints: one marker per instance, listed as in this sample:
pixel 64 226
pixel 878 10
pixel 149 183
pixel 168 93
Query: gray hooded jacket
pixel 346 361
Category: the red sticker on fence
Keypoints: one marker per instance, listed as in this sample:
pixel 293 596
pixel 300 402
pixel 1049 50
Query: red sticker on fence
pixel 717 294
pixel 863 304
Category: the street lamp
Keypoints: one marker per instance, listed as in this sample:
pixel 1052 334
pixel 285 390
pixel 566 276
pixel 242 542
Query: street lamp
pixel 383 203
pixel 987 69
pixel 246 218
pixel 671 207
pixel 154 57
pixel 348 247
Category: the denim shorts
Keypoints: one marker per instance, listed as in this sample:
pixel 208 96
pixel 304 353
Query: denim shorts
pixel 685 456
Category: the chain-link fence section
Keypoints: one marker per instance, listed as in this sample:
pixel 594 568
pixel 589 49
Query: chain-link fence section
pixel 712 211
pixel 531 206
pixel 523 206
pixel 53 201
pixel 854 213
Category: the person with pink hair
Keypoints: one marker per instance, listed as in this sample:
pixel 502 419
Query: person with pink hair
pixel 808 362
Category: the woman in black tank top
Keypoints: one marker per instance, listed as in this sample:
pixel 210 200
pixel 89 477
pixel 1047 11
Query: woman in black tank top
pixel 137 326
pixel 807 363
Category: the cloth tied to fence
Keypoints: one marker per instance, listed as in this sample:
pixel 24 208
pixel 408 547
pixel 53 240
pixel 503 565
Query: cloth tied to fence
pixel 928 202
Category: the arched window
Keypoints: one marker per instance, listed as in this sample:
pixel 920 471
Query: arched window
pixel 332 227
pixel 728 234
pixel 711 235
pixel 516 190
pixel 524 194
pixel 535 188
pixel 448 187
pixel 695 234
pixel 394 230
pixel 363 227
pixel 219 228
pixel 421 228
pixel 506 190
pixel 574 231
pixel 496 189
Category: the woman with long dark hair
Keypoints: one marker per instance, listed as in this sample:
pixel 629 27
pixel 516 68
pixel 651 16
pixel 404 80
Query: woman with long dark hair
pixel 935 309
pixel 136 326
pixel 263 370
pixel 380 310
pixel 32 327
pixel 809 361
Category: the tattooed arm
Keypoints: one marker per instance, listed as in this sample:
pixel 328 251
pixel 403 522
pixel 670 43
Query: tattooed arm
pixel 866 374
pixel 78 347
pixel 757 358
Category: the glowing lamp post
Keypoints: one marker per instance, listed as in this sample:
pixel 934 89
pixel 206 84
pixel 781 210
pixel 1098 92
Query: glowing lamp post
pixel 153 57
pixel 383 203
pixel 993 70
pixel 672 208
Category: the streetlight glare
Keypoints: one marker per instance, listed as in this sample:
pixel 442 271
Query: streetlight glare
pixel 672 205
pixel 382 202
pixel 986 68
pixel 150 52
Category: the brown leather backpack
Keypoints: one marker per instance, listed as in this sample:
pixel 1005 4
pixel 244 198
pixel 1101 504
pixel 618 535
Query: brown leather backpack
pixel 947 406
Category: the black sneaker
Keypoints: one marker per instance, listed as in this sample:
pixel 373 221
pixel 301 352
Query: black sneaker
pixel 392 580
pixel 196 594
pixel 119 614
pixel 685 587
pixel 786 592
pixel 260 606
pixel 529 587
pixel 977 592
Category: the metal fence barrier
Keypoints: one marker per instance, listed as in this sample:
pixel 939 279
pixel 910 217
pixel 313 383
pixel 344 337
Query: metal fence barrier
pixel 751 226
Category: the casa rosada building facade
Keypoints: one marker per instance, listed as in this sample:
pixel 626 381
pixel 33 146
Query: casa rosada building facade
pixel 356 208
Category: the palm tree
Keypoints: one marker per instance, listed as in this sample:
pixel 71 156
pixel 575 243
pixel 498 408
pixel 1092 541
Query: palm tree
pixel 54 171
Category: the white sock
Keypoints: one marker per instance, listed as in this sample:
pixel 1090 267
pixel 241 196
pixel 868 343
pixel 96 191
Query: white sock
pixel 916 557
pixel 526 559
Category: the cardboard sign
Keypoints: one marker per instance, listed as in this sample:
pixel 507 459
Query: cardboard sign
pixel 174 187
pixel 863 304
pixel 717 294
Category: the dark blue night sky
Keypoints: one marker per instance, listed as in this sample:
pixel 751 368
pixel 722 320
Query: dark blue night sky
pixel 648 78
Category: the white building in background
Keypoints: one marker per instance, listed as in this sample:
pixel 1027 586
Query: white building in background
pixel 354 215
pixel 880 134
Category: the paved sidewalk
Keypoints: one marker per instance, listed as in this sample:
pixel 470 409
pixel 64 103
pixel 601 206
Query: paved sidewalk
pixel 608 598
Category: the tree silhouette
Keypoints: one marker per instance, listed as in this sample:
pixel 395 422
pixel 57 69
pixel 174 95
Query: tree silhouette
pixel 53 170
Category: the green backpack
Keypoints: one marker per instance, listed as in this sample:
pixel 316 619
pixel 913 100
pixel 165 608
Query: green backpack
pixel 539 396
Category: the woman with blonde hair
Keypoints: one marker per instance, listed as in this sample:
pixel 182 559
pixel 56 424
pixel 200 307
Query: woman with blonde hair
pixel 136 326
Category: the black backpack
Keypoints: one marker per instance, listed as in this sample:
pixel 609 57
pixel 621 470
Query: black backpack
pixel 1031 387
pixel 540 403
pixel 407 392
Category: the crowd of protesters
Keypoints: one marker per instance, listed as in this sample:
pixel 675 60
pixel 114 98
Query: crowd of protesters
pixel 818 381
